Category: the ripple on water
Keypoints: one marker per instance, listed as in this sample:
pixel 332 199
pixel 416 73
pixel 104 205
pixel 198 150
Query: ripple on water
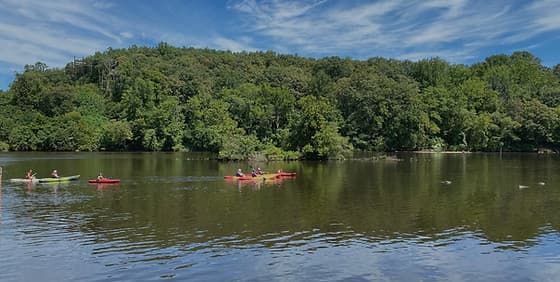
pixel 180 179
pixel 87 239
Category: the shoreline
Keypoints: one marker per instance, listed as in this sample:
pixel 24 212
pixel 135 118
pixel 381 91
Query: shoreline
pixel 441 152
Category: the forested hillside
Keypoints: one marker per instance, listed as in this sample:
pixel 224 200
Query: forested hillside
pixel 241 105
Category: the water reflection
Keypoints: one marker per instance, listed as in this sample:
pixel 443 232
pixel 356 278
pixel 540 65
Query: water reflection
pixel 424 217
pixel 256 185
pixel 0 202
pixel 104 186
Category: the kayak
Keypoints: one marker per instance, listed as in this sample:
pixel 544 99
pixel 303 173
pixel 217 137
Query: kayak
pixel 105 180
pixel 59 179
pixel 25 180
pixel 256 178
pixel 287 174
pixel 262 177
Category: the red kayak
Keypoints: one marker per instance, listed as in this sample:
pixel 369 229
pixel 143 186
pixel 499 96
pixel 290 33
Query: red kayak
pixel 261 177
pixel 105 180
pixel 287 174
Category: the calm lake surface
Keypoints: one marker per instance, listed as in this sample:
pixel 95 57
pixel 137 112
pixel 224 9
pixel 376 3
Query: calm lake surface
pixel 430 217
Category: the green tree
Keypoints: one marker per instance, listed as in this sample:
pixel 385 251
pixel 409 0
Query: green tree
pixel 315 129
pixel 430 72
pixel 538 124
pixel 503 132
pixel 479 97
pixel 382 113
pixel 254 104
pixel 208 124
pixel 116 135
pixel 57 101
pixel 26 89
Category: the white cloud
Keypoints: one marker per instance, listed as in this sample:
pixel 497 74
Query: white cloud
pixel 456 30
pixel 231 45
pixel 126 34
pixel 452 55
pixel 546 14
pixel 78 14
pixel 102 5
pixel 55 31
pixel 398 28
pixel 26 53
pixel 48 38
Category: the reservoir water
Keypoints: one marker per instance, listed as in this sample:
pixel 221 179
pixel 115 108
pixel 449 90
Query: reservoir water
pixel 419 217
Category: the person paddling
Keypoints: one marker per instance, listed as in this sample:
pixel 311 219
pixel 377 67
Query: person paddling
pixel 30 174
pixel 100 176
pixel 239 173
pixel 54 174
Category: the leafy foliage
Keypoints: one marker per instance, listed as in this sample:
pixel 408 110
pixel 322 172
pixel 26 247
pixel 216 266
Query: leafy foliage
pixel 273 106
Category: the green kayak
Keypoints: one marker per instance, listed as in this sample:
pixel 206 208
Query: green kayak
pixel 59 179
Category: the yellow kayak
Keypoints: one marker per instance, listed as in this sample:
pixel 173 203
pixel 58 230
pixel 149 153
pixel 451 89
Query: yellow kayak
pixel 256 178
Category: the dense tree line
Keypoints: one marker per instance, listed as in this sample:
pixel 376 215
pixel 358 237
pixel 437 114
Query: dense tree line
pixel 264 104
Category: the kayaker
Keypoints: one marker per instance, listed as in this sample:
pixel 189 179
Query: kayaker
pixel 239 173
pixel 100 176
pixel 254 173
pixel 54 174
pixel 30 174
pixel 259 171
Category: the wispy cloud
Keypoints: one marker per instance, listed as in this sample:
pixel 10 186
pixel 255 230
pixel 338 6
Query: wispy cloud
pixel 126 34
pixel 28 53
pixel 85 15
pixel 451 55
pixel 398 28
pixel 546 15
pixel 233 45
pixel 54 31
pixel 46 39
pixel 456 30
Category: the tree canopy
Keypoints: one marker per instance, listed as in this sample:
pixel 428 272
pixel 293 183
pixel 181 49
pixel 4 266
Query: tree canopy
pixel 242 105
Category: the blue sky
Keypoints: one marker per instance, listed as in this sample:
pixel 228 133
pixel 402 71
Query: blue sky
pixel 458 31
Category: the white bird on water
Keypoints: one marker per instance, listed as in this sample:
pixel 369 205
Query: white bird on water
pixel 446 182
pixel 542 183
pixel 523 186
